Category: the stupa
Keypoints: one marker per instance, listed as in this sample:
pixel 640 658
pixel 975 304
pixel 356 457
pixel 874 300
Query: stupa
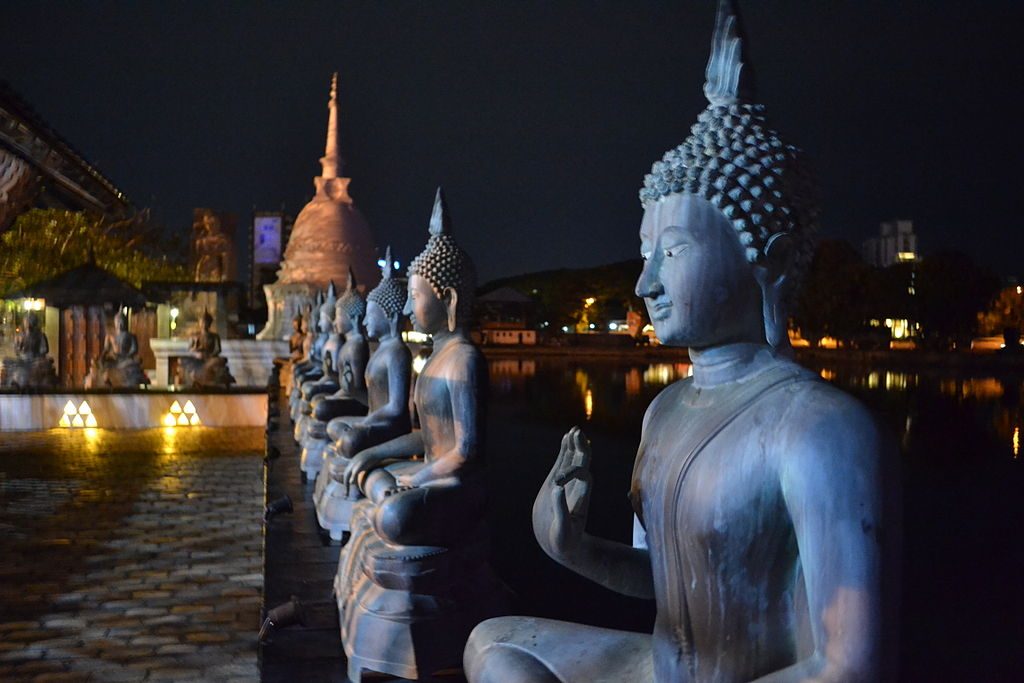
pixel 329 237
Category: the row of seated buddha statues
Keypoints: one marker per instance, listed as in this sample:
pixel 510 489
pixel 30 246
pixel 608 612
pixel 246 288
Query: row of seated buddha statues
pixel 766 526
pixel 342 389
pixel 31 366
pixel 413 579
pixel 388 375
pixel 309 367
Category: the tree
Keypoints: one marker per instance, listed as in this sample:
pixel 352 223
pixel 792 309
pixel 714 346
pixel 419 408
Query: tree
pixel 835 298
pixel 43 243
pixel 1006 312
pixel 951 290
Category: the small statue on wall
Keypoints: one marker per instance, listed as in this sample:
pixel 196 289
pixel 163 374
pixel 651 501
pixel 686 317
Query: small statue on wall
pixel 31 366
pixel 118 365
pixel 204 367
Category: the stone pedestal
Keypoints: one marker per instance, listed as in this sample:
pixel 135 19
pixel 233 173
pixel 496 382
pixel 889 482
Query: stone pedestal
pixel 408 610
pixel 250 361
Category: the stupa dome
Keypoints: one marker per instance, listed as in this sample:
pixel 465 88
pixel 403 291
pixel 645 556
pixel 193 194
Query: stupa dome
pixel 329 236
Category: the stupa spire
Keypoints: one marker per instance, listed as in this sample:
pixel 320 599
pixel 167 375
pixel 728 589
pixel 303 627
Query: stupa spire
pixel 330 162
pixel 730 75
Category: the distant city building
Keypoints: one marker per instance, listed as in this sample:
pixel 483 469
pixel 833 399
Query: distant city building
pixel 896 243
pixel 212 254
pixel 40 169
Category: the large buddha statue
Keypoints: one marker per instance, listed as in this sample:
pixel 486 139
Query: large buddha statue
pixel 204 366
pixel 31 367
pixel 345 376
pixel 388 376
pixel 118 364
pixel 766 523
pixel 413 578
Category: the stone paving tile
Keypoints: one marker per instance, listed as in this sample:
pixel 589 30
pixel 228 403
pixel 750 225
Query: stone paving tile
pixel 129 556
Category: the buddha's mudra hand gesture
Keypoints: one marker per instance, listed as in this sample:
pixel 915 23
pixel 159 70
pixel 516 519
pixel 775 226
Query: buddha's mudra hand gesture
pixel 560 510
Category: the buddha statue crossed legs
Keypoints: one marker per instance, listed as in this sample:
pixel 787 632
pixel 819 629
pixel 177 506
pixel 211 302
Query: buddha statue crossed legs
pixel 388 375
pixel 413 579
pixel 31 366
pixel 204 366
pixel 766 521
pixel 118 364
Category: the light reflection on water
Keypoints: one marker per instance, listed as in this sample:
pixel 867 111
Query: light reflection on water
pixel 923 408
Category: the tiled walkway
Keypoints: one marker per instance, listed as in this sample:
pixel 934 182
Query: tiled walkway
pixel 130 555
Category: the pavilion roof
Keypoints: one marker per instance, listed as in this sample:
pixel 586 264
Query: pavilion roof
pixel 87 284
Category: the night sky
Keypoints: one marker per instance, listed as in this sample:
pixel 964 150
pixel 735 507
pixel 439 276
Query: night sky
pixel 539 118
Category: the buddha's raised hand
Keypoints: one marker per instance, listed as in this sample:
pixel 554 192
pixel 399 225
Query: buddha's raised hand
pixel 560 509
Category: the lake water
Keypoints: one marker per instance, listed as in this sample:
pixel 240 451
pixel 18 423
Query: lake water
pixel 962 471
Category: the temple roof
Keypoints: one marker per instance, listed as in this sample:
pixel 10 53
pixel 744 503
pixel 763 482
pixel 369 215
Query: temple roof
pixel 73 181
pixel 83 285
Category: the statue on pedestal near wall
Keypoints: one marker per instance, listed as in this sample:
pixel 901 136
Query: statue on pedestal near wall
pixel 118 364
pixel 31 367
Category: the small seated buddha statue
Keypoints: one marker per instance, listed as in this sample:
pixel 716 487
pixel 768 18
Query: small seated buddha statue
pixel 297 339
pixel 347 368
pixel 204 367
pixel 766 502
pixel 414 578
pixel 31 367
pixel 388 376
pixel 118 365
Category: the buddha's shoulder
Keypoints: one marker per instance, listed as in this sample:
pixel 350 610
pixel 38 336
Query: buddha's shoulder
pixel 813 415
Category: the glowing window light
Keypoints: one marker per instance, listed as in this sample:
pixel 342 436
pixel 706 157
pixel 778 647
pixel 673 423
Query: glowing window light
pixel 90 420
pixel 169 421
pixel 175 408
pixel 588 404
pixel 189 409
pixel 84 409
pixel 65 421
pixel 1016 441
pixel 69 408
pixel 194 420
pixel 183 420
pixel 417 364
pixel 77 421
pixel 34 304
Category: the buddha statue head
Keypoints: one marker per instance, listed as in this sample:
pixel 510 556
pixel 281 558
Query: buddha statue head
pixel 206 320
pixel 325 318
pixel 350 307
pixel 442 279
pixel 385 303
pixel 729 215
pixel 120 322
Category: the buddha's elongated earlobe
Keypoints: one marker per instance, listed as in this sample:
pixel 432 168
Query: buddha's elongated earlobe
pixel 451 302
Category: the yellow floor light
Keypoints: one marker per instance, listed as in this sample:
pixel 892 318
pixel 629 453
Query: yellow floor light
pixel 73 417
pixel 181 415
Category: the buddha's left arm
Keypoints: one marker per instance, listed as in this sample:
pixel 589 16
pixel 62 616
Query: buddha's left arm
pixel 463 390
pixel 830 470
